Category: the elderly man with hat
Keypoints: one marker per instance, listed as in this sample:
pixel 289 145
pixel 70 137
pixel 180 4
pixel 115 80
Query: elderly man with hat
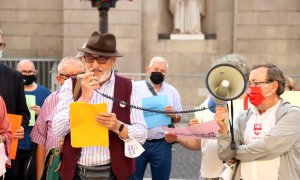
pixel 125 124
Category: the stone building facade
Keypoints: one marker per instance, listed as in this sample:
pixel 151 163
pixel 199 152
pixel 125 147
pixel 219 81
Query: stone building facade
pixel 262 30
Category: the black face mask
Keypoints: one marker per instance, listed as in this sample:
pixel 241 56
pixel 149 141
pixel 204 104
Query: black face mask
pixel 157 77
pixel 29 79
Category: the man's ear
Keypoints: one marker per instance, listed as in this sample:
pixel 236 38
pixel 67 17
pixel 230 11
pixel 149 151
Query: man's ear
pixel 148 70
pixel 275 86
pixel 60 80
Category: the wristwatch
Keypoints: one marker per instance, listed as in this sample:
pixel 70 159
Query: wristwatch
pixel 120 128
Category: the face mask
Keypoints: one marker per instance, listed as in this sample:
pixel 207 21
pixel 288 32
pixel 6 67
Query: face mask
pixel 29 79
pixel 255 96
pixel 1 54
pixel 157 77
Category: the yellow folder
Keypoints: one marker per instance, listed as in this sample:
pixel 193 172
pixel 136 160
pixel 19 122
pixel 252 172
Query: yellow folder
pixel 85 130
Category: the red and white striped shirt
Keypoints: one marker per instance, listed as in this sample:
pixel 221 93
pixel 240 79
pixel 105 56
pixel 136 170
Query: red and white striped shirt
pixel 42 132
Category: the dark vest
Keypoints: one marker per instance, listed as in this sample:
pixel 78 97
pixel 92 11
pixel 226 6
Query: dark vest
pixel 121 165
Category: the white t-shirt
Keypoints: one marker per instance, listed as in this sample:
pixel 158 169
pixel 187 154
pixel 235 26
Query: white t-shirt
pixel 257 127
pixel 211 165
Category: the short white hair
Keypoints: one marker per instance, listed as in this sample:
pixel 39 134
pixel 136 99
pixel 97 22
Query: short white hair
pixel 158 59
pixel 79 54
pixel 69 59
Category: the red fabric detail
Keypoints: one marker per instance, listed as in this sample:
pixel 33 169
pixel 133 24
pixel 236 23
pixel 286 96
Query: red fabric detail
pixel 246 102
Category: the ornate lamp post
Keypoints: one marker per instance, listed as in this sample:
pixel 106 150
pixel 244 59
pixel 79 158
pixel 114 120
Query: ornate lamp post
pixel 103 7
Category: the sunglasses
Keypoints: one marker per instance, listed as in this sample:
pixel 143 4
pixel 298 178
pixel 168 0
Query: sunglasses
pixel 100 59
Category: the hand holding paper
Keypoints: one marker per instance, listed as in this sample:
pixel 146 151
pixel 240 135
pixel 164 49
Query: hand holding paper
pixel 15 121
pixel 108 120
pixel 170 138
pixel 156 119
pixel 19 133
pixel 31 101
pixel 206 130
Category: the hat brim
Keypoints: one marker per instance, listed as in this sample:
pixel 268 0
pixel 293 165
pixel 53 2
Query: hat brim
pixel 87 50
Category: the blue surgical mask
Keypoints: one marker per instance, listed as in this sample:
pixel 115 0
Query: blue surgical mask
pixel 1 54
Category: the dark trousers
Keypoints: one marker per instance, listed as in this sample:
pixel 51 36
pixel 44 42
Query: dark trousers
pixel 159 155
pixel 19 169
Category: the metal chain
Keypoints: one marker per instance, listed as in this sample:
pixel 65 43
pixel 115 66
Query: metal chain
pixel 151 110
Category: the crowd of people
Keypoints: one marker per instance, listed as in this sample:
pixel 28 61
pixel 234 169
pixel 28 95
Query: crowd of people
pixel 266 138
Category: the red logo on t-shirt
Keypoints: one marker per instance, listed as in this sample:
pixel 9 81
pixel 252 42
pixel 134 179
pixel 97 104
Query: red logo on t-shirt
pixel 257 129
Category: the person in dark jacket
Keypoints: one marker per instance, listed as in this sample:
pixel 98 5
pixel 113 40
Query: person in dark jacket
pixel 12 92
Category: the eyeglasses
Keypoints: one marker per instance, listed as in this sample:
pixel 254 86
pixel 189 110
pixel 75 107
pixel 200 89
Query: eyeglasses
pixel 100 59
pixel 2 45
pixel 67 76
pixel 255 83
pixel 28 72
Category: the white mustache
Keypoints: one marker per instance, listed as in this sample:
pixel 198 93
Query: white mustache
pixel 100 69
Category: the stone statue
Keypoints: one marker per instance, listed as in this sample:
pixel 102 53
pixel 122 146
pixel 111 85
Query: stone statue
pixel 186 16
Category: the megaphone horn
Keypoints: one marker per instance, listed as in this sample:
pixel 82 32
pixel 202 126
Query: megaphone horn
pixel 225 82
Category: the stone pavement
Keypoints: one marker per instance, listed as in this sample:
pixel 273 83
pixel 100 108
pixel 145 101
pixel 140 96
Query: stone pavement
pixel 185 164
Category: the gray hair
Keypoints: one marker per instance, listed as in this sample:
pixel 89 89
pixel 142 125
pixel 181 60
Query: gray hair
pixel 69 59
pixel 158 59
pixel 79 54
pixel 289 83
pixel 273 74
pixel 237 61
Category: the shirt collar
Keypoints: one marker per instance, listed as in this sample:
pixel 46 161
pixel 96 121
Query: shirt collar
pixel 270 110
pixel 162 86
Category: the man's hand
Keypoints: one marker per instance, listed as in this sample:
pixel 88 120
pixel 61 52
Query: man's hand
pixel 108 120
pixel 170 109
pixel 222 118
pixel 19 134
pixel 89 83
pixel 175 117
pixel 36 109
pixel 193 121
pixel 170 138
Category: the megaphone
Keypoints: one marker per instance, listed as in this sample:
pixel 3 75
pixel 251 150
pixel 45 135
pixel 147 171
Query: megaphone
pixel 225 82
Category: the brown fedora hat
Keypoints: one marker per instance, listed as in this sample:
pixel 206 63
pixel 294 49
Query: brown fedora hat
pixel 101 44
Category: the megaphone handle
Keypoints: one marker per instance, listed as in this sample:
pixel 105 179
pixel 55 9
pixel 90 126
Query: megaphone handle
pixel 233 144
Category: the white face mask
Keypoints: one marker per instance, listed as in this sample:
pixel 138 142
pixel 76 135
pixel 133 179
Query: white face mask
pixel 1 54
